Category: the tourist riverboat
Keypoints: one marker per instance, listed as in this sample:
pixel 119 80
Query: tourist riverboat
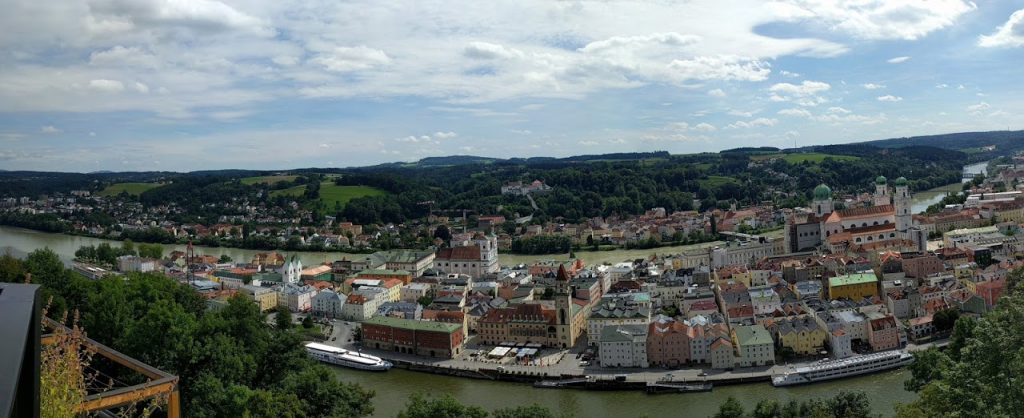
pixel 847 367
pixel 342 357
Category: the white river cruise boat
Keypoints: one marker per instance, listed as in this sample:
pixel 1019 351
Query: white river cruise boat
pixel 342 357
pixel 847 367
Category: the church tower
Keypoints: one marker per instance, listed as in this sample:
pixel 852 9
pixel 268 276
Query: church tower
pixel 882 191
pixel 822 201
pixel 901 201
pixel 563 306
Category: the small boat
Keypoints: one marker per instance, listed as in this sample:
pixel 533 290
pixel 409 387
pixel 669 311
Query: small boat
pixel 346 358
pixel 847 367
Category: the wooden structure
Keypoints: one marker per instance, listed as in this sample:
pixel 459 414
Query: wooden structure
pixel 159 383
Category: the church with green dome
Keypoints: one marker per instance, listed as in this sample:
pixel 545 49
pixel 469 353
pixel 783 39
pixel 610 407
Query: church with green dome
pixel 884 222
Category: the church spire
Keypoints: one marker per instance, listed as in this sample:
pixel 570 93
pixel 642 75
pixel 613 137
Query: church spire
pixel 562 276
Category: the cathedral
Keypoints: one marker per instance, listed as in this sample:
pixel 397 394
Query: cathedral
pixel 886 224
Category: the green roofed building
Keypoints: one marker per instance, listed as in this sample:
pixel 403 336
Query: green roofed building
pixel 410 336
pixel 853 286
pixel 754 345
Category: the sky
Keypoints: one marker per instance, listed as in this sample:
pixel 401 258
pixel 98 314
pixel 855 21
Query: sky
pixel 139 85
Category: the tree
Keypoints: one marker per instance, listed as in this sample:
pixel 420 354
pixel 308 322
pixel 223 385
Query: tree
pixel 282 318
pixel 944 319
pixel 224 258
pixel 767 408
pixel 731 408
pixel 963 331
pixel 986 381
pixel 155 251
pixel 128 247
pixel 532 411
pixel 307 322
pixel 928 365
pixel 443 233
pixel 425 300
pixel 444 406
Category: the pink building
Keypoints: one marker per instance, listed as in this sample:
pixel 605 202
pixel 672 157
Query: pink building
pixel 667 343
pixel 883 334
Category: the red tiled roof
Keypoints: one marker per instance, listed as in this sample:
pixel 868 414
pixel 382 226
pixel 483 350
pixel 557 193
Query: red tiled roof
pixel 469 252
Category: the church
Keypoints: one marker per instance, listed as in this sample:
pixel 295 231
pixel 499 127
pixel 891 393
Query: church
pixel 886 224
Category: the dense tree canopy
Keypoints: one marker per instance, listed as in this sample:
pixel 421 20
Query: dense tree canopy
pixel 230 362
pixel 978 375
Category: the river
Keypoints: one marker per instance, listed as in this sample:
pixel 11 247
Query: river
pixel 21 241
pixel 394 387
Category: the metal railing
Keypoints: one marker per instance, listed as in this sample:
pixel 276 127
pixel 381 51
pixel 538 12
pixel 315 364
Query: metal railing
pixel 21 339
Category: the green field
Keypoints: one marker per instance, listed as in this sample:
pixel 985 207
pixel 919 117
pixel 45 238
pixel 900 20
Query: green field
pixel 814 157
pixel 133 189
pixel 713 181
pixel 267 179
pixel 331 193
pixel 291 191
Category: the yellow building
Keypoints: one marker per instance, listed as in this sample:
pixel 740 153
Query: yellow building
pixel 264 297
pixel 853 286
pixel 803 335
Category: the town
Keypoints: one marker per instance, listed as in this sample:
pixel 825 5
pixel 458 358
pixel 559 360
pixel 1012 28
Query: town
pixel 825 283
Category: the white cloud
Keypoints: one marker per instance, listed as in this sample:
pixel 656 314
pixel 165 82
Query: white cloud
pixel 672 39
pixel 878 19
pixel 978 107
pixel 790 74
pixel 837 109
pixel 489 51
pixel 123 56
pixel 941 85
pixel 589 143
pixel 803 94
pixel 759 122
pixel 716 93
pixel 107 86
pixel 1010 34
pixel 806 88
pixel 141 88
pixel 92 134
pixel 873 86
pixel 434 138
pixel 348 59
pixel 795 112
pixel 898 60
pixel 50 129
pixel 889 98
pixel 704 127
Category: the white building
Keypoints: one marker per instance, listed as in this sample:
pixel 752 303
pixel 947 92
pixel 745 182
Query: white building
pixel 362 304
pixel 475 257
pixel 754 345
pixel 297 298
pixel 412 292
pixel 328 304
pixel 623 346
pixel 764 300
pixel 292 271
pixel 131 263
pixel 841 343
pixel 615 311
pixel 745 252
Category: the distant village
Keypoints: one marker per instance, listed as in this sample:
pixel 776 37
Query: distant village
pixel 868 277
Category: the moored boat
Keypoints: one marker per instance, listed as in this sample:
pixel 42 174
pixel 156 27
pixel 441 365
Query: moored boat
pixel 346 358
pixel 848 367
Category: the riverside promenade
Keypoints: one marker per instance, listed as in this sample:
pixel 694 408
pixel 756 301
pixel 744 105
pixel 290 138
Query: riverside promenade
pixel 559 364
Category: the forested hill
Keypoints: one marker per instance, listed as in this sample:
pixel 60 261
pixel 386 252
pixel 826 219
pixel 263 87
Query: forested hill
pixel 980 146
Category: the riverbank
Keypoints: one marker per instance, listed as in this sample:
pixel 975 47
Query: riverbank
pixel 23 241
